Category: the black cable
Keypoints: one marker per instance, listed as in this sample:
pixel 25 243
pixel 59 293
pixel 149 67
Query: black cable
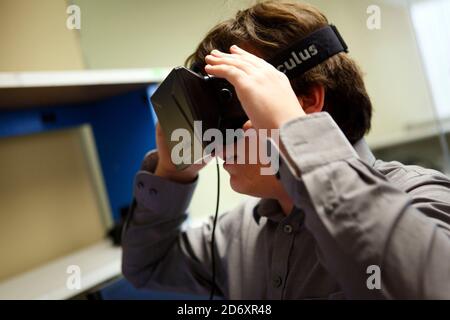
pixel 213 258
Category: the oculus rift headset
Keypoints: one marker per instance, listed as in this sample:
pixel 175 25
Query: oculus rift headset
pixel 186 96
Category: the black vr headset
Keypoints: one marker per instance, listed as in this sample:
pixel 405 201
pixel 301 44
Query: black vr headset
pixel 186 96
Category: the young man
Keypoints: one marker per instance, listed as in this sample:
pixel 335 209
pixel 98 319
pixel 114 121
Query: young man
pixel 330 218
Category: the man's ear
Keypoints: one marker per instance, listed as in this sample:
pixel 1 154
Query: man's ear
pixel 313 100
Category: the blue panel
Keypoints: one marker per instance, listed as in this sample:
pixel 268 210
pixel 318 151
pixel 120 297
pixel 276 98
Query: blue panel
pixel 150 90
pixel 123 290
pixel 124 132
pixel 123 129
pixel 17 123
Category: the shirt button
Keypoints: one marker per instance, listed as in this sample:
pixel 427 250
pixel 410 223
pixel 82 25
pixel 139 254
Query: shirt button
pixel 287 228
pixel 153 191
pixel 277 281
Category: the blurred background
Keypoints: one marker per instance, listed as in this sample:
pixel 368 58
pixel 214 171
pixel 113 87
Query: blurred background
pixel 75 120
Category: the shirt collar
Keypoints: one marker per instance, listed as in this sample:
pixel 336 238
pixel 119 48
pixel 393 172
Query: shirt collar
pixel 364 152
pixel 270 208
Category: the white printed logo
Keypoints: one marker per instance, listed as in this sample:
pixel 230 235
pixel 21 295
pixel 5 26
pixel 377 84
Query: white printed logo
pixel 297 58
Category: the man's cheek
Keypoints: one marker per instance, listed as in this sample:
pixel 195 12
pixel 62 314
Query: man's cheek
pixel 237 184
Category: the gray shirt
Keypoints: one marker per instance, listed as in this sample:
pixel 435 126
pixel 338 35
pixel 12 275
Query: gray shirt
pixel 352 214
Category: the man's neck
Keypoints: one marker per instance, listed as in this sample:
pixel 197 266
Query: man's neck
pixel 286 204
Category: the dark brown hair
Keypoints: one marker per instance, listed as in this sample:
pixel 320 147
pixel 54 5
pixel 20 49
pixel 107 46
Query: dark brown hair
pixel 271 26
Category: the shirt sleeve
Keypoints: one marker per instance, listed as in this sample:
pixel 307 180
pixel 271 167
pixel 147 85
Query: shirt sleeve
pixel 157 253
pixel 360 219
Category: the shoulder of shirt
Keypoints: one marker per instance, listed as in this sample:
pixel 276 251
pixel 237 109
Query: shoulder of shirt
pixel 408 177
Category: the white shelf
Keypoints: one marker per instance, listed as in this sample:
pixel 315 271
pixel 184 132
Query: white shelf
pixel 80 77
pixel 98 263
pixel 413 133
pixel 47 88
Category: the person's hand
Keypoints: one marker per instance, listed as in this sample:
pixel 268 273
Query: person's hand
pixel 264 92
pixel 166 168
